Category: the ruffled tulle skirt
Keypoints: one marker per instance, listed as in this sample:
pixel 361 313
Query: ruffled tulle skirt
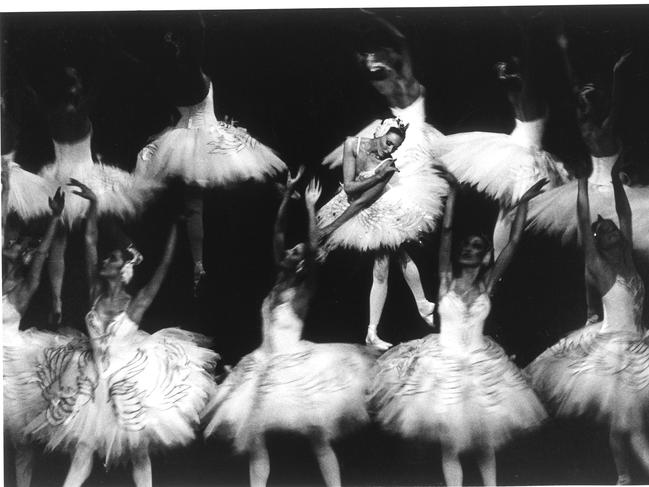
pixel 595 373
pixel 217 154
pixel 498 164
pixel 424 389
pixel 411 206
pixel 145 393
pixel 28 192
pixel 22 352
pixel 118 192
pixel 314 387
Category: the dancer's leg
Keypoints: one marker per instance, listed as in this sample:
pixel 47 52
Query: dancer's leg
pixel 487 466
pixel 619 442
pixel 194 207
pixel 640 447
pixel 378 295
pixel 24 465
pixel 259 463
pixel 413 279
pixel 326 460
pixel 451 466
pixel 56 270
pixel 142 475
pixel 80 467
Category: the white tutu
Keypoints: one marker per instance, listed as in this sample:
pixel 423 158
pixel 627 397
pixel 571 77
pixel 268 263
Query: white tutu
pixel 118 192
pixel 602 369
pixel 206 152
pixel 503 166
pixel 457 387
pixel 123 391
pixel 28 192
pixel 555 211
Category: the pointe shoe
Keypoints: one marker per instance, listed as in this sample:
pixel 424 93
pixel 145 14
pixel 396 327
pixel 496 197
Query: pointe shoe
pixel 426 309
pixel 199 273
pixel 373 340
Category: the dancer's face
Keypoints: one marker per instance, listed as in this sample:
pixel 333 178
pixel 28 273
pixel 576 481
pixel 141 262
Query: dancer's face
pixel 388 143
pixel 112 265
pixel 593 102
pixel 606 234
pixel 294 256
pixel 473 250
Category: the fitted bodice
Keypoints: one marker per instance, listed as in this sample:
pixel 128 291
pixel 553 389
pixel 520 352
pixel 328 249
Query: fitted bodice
pixel 602 166
pixel 282 327
pixel 461 324
pixel 623 305
pixel 529 133
pixel 199 115
pixel 104 333
pixel 77 153
pixel 10 315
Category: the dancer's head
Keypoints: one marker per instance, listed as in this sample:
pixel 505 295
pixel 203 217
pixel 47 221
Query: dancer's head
pixel 294 258
pixel 606 234
pixel 68 106
pixel 474 251
pixel 17 254
pixel 593 102
pixel 389 136
pixel 119 265
pixel 381 63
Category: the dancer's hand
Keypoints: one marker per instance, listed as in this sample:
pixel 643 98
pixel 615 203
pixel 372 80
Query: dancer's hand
pixel 57 202
pixel 446 175
pixel 4 178
pixel 84 191
pixel 312 193
pixel 622 63
pixel 535 190
pixel 292 182
pixel 386 169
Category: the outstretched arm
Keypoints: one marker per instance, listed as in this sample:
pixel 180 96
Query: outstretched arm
pixel 279 232
pixel 516 235
pixel 145 297
pixel 446 240
pixel 91 235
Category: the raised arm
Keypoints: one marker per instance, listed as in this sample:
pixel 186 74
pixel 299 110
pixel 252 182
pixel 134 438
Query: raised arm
pixel 562 41
pixel 618 96
pixel 145 297
pixel 355 189
pixel 515 237
pixel 446 239
pixel 311 196
pixel 91 235
pixel 5 192
pixel 622 206
pixel 279 232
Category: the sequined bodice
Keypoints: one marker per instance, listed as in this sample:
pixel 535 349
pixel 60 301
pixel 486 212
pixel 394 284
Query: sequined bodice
pixel 529 133
pixel 602 166
pixel 199 115
pixel 413 114
pixel 73 155
pixel 461 324
pixel 282 327
pixel 105 333
pixel 10 315
pixel 623 305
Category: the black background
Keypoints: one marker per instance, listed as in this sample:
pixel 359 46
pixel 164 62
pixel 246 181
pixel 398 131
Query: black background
pixel 291 78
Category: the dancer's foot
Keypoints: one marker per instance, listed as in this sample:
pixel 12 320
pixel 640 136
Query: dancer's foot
pixel 624 480
pixel 199 273
pixel 373 340
pixel 426 309
pixel 55 318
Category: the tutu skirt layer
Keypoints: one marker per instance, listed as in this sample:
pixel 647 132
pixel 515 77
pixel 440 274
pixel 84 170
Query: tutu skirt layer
pixel 601 374
pixel 216 154
pixel 315 387
pixel 28 193
pixel 145 393
pixel 424 389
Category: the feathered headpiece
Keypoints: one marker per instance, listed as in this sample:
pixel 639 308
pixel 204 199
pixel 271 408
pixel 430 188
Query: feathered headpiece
pixel 127 268
pixel 389 124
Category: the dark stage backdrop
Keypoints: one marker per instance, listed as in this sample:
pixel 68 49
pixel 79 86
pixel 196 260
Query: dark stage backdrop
pixel 291 78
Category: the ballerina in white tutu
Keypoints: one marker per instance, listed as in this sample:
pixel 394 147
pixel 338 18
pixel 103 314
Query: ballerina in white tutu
pixel 459 387
pixel 121 392
pixel 599 116
pixel 383 204
pixel 22 267
pixel 602 370
pixel 200 150
pixel 119 193
pixel 505 165
pixel 290 384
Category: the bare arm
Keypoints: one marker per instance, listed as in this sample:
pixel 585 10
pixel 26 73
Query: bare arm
pixel 446 239
pixel 622 206
pixel 91 235
pixel 515 237
pixel 145 297
pixel 280 222
pixel 618 92
pixel 5 192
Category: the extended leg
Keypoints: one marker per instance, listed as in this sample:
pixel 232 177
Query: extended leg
pixel 142 475
pixel 640 447
pixel 24 465
pixel 56 270
pixel 451 466
pixel 411 275
pixel 80 467
pixel 487 466
pixel 619 442
pixel 194 207
pixel 259 464
pixel 326 460
pixel 378 295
